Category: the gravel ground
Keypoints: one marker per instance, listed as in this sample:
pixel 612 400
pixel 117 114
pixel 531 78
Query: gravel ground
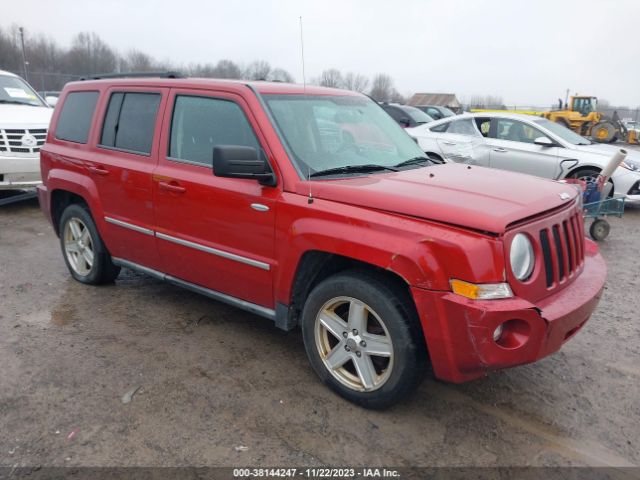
pixel 212 380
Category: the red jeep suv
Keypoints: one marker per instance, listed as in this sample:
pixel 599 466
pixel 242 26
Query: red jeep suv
pixel 313 208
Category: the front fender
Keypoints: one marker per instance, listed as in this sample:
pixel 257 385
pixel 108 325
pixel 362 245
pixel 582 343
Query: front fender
pixel 424 254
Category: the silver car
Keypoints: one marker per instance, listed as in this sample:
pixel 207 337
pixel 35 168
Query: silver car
pixel 527 144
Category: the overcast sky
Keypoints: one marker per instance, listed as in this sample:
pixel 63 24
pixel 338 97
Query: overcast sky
pixel 526 51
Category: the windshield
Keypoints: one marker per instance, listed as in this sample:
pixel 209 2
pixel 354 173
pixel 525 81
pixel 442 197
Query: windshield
pixel 563 132
pixel 324 132
pixel 418 115
pixel 446 112
pixel 15 90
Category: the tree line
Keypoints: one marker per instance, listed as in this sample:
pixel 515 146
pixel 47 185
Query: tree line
pixel 49 65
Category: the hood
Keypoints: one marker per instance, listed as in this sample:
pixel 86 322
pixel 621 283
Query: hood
pixel 607 150
pixel 478 198
pixel 23 116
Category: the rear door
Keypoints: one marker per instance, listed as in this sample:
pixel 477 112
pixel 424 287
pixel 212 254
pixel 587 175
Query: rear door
pixel 212 231
pixel 462 142
pixel 512 147
pixel 121 167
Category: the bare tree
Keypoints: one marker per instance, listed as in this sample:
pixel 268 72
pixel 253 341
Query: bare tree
pixel 355 82
pixel 280 75
pixel 486 101
pixel 137 61
pixel 258 70
pixel 331 78
pixel 382 88
pixel 227 69
pixel 89 54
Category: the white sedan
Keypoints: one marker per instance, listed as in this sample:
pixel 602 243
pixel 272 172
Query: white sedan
pixel 527 144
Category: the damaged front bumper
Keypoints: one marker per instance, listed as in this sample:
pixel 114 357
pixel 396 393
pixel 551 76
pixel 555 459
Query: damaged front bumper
pixel 460 332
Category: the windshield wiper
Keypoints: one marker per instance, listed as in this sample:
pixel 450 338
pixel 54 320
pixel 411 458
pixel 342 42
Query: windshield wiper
pixel 16 102
pixel 369 167
pixel 415 161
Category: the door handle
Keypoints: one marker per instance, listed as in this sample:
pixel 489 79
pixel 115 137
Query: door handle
pixel 172 186
pixel 97 169
pixel 447 142
pixel 499 149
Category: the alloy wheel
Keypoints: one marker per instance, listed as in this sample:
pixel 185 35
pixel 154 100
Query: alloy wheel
pixel 354 344
pixel 78 246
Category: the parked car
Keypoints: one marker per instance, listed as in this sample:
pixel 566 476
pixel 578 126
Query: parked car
pixel 526 144
pixel 405 115
pixel 50 96
pixel 24 120
pixel 382 257
pixel 435 111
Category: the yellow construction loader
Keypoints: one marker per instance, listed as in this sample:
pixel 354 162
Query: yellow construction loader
pixel 582 116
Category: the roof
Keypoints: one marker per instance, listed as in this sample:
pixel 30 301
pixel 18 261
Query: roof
pixel 260 86
pixel 4 72
pixel 440 99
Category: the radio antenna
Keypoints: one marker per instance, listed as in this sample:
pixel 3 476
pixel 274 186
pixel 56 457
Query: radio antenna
pixel 310 199
pixel 304 78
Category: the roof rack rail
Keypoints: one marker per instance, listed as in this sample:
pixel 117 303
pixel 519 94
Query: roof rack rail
pixel 100 76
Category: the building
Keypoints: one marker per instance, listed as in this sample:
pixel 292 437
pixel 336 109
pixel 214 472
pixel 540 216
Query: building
pixel 448 100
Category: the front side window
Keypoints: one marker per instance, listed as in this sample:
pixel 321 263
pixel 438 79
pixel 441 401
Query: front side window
pixel 463 127
pixel 333 131
pixel 130 121
pixel 16 91
pixel 200 123
pixel 516 131
pixel 76 116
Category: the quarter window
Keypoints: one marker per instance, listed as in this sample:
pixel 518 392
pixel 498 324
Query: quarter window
pixel 463 127
pixel 440 128
pixel 130 121
pixel 201 123
pixel 75 118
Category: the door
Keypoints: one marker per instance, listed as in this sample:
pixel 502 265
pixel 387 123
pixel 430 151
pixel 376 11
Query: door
pixel 121 167
pixel 512 147
pixel 462 142
pixel 215 232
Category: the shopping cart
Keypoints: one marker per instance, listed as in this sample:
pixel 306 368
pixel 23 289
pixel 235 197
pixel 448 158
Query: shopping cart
pixel 598 200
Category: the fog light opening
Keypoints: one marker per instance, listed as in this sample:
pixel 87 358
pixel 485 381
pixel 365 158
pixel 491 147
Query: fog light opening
pixel 512 334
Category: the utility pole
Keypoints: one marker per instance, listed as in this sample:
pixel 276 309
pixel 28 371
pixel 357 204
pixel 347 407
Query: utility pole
pixel 24 55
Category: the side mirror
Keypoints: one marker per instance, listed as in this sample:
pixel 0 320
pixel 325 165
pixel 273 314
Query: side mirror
pixel 234 161
pixel 544 142
pixel 51 101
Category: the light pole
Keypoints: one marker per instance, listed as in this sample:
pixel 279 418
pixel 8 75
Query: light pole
pixel 24 55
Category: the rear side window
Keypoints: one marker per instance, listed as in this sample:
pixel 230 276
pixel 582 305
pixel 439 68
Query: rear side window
pixel 440 128
pixel 201 123
pixel 130 121
pixel 75 118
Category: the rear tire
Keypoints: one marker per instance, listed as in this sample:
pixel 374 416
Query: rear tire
pixel 363 338
pixel 83 250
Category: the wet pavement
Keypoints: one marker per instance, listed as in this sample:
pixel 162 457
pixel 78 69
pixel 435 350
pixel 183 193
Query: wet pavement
pixel 204 379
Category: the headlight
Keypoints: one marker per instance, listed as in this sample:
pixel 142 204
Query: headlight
pixel 630 165
pixel 522 257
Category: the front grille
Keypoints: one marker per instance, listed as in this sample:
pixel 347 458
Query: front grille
pixel 562 246
pixel 11 140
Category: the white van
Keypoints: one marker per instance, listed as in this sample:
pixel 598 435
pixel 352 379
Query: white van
pixel 24 121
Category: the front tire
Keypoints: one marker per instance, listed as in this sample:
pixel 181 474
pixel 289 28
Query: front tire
pixel 363 338
pixel 84 252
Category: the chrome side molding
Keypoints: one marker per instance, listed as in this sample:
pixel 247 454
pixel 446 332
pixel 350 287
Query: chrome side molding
pixel 222 297
pixel 130 226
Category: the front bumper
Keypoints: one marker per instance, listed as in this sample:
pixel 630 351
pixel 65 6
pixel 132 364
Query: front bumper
pixel 459 331
pixel 19 172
